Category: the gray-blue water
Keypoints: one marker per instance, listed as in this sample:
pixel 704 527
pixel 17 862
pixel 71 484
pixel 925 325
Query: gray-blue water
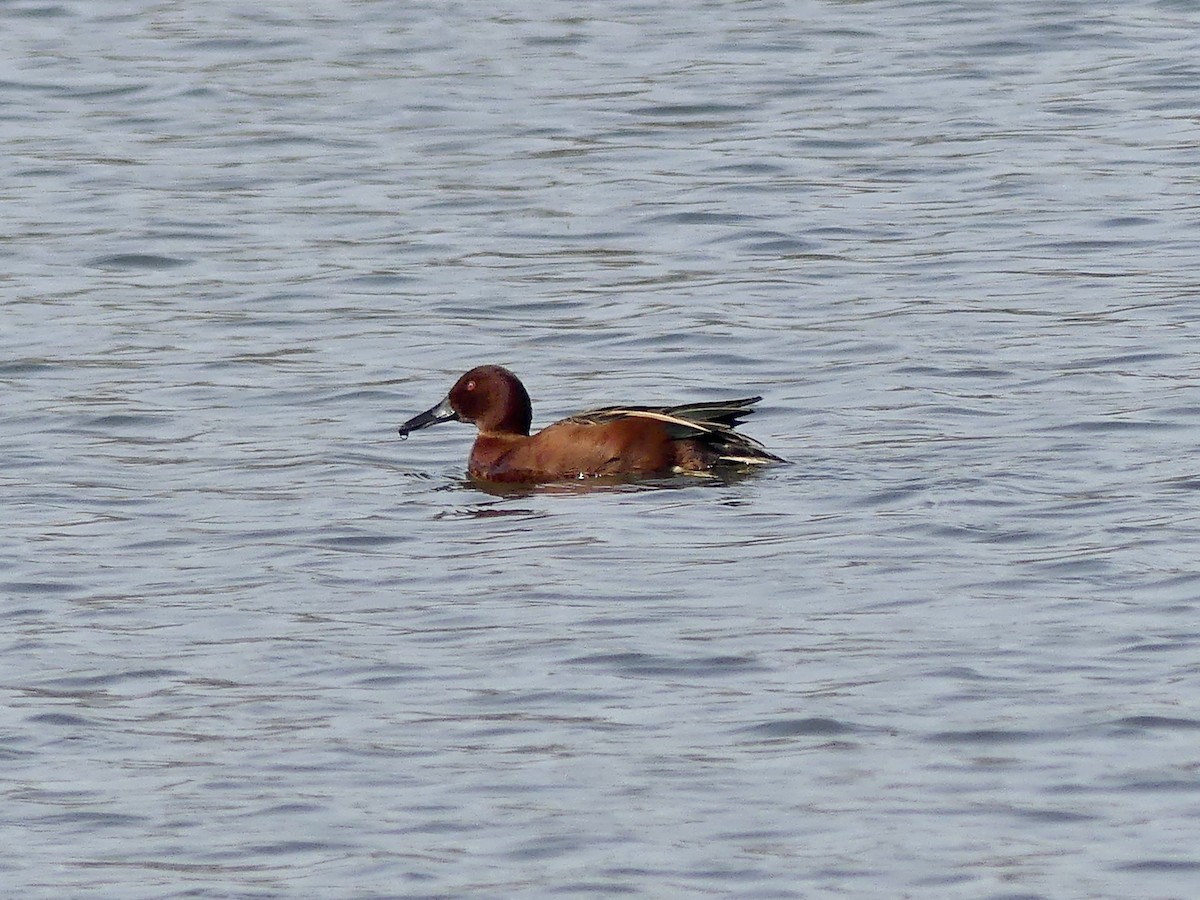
pixel 253 645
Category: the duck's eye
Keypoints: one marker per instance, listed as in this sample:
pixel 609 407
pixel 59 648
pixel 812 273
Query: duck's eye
pixel 470 385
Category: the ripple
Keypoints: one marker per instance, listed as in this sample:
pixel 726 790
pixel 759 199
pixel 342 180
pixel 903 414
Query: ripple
pixel 1160 865
pixel 988 736
pixel 1168 723
pixel 643 664
pixel 27 588
pixel 137 261
pixel 811 727
pixel 66 719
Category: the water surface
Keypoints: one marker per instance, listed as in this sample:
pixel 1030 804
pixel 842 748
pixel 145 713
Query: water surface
pixel 256 646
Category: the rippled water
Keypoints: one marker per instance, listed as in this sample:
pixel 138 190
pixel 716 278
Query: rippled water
pixel 256 646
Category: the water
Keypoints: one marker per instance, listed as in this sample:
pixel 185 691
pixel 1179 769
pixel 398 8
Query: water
pixel 255 646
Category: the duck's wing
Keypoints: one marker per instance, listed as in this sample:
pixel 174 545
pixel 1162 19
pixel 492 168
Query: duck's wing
pixel 712 423
pixel 694 418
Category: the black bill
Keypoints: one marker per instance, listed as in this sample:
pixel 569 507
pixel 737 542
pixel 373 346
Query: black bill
pixel 443 412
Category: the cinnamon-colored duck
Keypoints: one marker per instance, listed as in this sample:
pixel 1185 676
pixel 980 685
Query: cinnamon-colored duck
pixel 617 440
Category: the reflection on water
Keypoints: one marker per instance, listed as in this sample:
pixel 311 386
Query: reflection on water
pixel 255 645
pixel 601 484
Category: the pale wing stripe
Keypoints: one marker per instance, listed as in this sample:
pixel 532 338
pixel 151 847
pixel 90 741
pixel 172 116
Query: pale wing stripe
pixel 663 417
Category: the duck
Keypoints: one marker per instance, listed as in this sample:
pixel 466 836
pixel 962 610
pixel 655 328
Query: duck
pixel 622 441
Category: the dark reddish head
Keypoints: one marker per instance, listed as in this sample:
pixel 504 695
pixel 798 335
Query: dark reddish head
pixel 490 396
